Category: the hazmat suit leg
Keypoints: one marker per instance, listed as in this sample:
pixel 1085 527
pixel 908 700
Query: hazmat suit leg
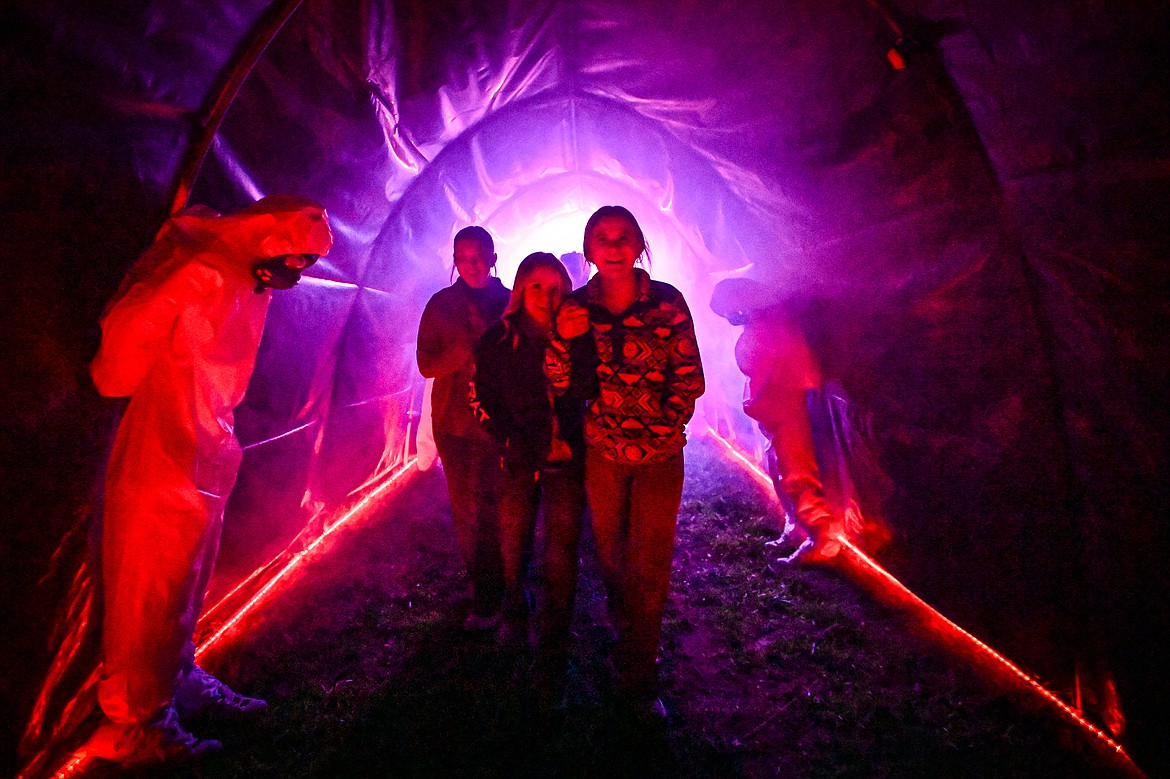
pixel 157 557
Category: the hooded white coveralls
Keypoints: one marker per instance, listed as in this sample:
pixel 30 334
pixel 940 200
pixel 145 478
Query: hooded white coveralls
pixel 180 339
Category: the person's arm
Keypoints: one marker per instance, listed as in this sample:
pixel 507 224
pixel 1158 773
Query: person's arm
pixel 684 381
pixel 566 356
pixel 438 352
pixel 774 355
pixel 136 330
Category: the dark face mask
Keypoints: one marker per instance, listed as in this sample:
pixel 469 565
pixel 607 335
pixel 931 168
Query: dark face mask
pixel 737 318
pixel 282 272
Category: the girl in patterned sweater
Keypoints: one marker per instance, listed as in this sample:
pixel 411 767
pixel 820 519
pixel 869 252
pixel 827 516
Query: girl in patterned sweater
pixel 647 365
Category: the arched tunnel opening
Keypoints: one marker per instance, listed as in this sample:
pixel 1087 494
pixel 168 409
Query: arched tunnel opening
pixel 963 229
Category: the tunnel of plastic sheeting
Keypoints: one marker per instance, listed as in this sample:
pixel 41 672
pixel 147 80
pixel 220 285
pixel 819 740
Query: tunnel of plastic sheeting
pixel 963 205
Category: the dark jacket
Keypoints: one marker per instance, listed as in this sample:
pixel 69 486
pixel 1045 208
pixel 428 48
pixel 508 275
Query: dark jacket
pixel 510 395
pixel 454 318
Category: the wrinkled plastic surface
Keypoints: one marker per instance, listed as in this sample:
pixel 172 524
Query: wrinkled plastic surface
pixel 970 242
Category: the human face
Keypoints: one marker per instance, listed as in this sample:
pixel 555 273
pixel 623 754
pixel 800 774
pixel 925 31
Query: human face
pixel 473 263
pixel 614 246
pixel 543 292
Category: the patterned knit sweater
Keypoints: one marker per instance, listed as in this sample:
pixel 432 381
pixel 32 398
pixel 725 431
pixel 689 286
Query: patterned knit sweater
pixel 648 368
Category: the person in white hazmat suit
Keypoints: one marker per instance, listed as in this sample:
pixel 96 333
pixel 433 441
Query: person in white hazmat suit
pixel 180 339
pixel 783 383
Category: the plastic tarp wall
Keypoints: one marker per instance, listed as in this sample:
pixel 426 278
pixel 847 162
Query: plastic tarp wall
pixel 972 243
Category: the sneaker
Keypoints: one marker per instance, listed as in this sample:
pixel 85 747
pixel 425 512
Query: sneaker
pixel 202 693
pixel 161 740
pixel 481 623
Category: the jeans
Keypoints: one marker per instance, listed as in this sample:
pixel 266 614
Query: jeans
pixel 559 492
pixel 472 468
pixel 635 509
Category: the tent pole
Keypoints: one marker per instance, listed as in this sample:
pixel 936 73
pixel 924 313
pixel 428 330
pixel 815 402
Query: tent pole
pixel 262 35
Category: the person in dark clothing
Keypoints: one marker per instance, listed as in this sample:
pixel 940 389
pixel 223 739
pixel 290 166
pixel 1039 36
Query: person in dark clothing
pixel 542 453
pixel 454 318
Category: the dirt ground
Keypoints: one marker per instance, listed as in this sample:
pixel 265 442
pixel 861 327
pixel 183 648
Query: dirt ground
pixel 767 670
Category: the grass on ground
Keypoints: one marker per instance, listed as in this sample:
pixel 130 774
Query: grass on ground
pixel 768 671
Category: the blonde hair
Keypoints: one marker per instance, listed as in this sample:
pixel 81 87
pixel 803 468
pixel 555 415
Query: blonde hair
pixel 528 266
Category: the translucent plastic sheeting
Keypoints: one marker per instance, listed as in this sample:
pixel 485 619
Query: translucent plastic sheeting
pixel 954 236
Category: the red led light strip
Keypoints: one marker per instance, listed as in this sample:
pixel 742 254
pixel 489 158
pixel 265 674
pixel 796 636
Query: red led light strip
pixel 752 468
pixel 209 613
pixel 75 765
pixel 1003 662
pixel 860 560
pixel 296 561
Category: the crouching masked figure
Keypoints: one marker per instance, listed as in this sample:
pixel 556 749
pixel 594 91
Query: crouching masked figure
pixel 803 417
pixel 180 339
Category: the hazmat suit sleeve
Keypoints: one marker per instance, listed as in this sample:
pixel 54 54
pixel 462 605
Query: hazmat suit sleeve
pixel 136 329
